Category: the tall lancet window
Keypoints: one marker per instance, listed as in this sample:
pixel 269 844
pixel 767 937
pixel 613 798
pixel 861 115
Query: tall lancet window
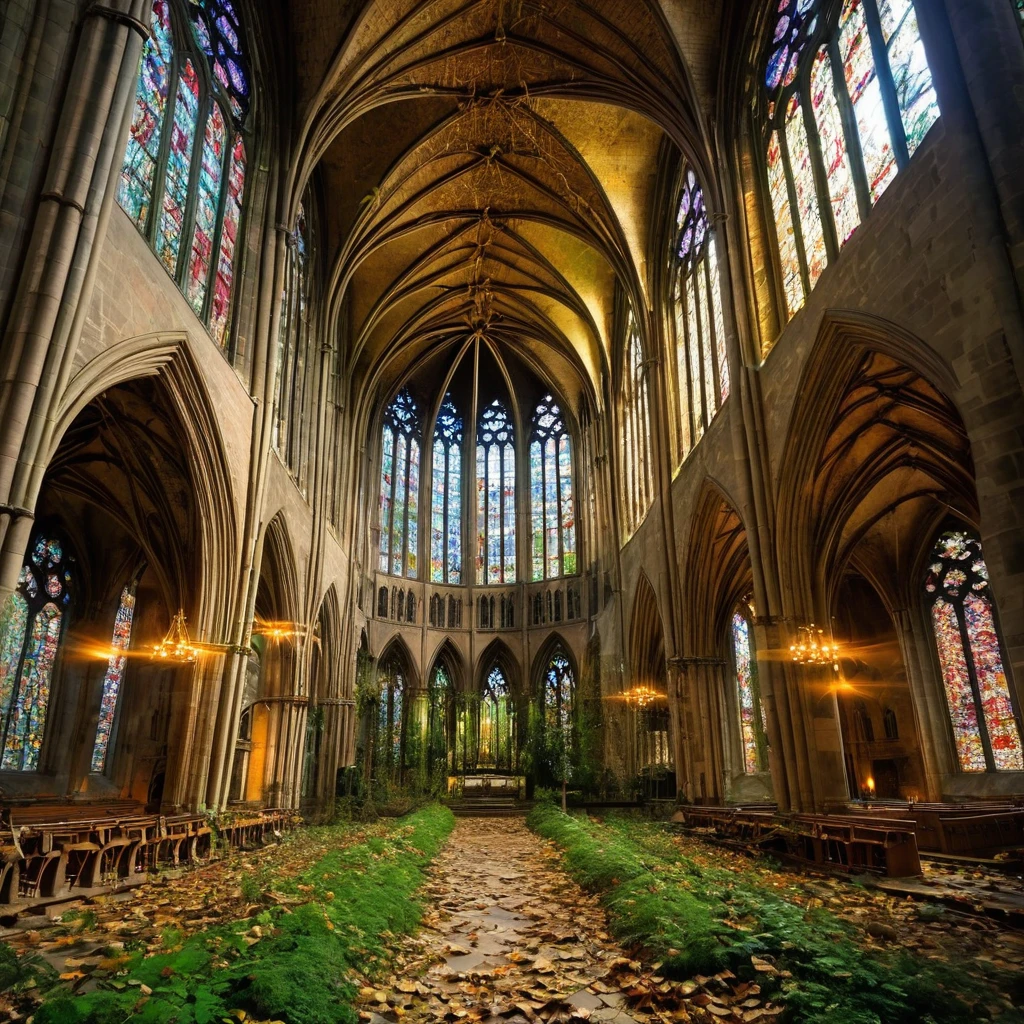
pixel 635 447
pixel 183 173
pixel 31 629
pixel 849 100
pixel 751 721
pixel 551 495
pixel 400 487
pixel 446 497
pixel 496 496
pixel 986 727
pixel 113 679
pixel 702 366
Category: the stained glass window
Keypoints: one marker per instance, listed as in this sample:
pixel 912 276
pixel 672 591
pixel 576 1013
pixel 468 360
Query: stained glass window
pixel 551 495
pixel 439 700
pixel 192 92
pixel 701 361
pixel 635 438
pixel 496 496
pixel 294 391
pixel 399 488
pixel 446 497
pixel 138 171
pixel 986 727
pixel 114 677
pixel 751 725
pixel 30 634
pixel 844 115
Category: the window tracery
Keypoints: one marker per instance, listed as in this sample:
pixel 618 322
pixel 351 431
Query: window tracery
pixel 849 99
pixel 193 89
pixel 30 634
pixel 559 694
pixel 497 723
pixel 986 727
pixel 496 496
pixel 702 367
pixel 635 439
pixel 113 678
pixel 390 718
pixel 446 497
pixel 399 488
pixel 551 494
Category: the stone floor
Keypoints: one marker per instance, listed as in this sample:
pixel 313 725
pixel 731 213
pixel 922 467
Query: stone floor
pixel 508 937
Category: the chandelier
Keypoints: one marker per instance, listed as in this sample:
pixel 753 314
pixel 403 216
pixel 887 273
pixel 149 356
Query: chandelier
pixel 813 648
pixel 176 645
pixel 641 696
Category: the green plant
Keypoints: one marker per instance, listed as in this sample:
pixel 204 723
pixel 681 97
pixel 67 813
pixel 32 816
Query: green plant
pixel 699 917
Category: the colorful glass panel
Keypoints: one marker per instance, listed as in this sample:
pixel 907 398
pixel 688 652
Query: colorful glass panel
pixel 792 282
pixel 806 193
pixel 220 308
pixel 554 543
pixel 138 169
pixel 833 147
pixel 399 487
pixel 34 621
pixel 207 209
pixel 496 491
pixel 705 345
pixel 971 658
pixel 114 677
pixel 446 505
pixel 179 164
pixel 919 106
pixel 963 712
pixel 693 347
pixel 636 429
pixel 745 687
pixel 865 93
pixel 996 706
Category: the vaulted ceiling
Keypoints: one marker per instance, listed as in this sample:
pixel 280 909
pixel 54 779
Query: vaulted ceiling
pixel 490 167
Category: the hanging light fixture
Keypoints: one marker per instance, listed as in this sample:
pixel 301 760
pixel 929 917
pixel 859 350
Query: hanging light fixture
pixel 641 696
pixel 813 648
pixel 176 645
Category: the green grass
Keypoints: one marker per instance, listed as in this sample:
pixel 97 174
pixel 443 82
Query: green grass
pixel 698 918
pixel 302 966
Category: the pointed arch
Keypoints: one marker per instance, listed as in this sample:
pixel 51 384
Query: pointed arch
pixel 873 434
pixel 718 573
pixel 169 357
pixel 647 637
pixel 497 652
pixel 448 656
pixel 278 589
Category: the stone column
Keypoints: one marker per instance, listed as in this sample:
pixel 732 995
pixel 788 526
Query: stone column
pixel 56 277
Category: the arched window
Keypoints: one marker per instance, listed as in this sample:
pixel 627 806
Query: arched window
pixel 497 723
pixel 751 724
pixel 400 488
pixel 296 387
pixel 446 497
pixel 183 174
pixel 439 702
pixel 849 100
pixel 986 730
pixel 496 496
pixel 702 367
pixel 559 694
pixel 892 729
pixel 390 719
pixel 30 634
pixel 638 484
pixel 114 677
pixel 554 519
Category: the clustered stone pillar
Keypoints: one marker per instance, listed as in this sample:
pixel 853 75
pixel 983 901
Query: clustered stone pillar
pixel 56 277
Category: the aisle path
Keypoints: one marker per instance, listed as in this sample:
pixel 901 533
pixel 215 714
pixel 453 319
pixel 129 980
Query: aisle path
pixel 508 938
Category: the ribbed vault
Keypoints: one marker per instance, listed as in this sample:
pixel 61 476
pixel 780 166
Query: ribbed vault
pixel 490 168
